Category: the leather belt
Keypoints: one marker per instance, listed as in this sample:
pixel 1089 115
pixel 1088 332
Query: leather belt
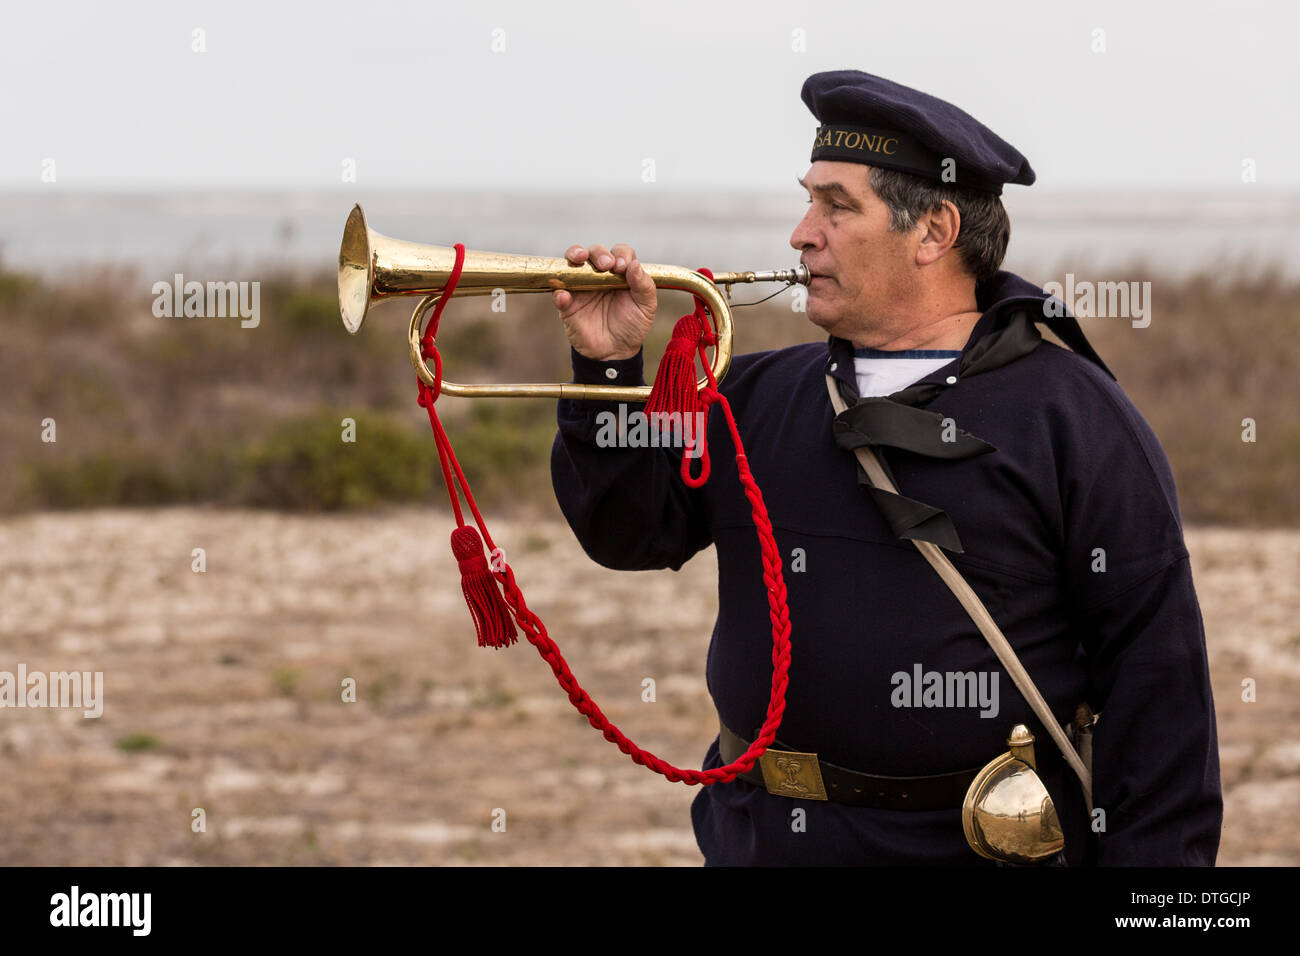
pixel 799 775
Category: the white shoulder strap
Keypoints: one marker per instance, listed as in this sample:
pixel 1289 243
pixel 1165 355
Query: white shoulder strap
pixel 978 613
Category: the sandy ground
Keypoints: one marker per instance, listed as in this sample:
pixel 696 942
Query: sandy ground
pixel 223 691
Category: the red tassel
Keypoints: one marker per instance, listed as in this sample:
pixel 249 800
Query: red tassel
pixel 491 615
pixel 674 388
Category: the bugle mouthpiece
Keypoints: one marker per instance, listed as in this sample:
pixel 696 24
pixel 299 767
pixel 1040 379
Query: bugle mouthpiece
pixel 799 275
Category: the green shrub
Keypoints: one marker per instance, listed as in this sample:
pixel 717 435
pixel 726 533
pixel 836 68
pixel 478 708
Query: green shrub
pixel 136 742
pixel 15 286
pixel 107 478
pixel 504 450
pixel 304 465
pixel 307 311
pixel 286 681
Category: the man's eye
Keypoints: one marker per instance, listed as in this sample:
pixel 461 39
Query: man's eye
pixel 834 205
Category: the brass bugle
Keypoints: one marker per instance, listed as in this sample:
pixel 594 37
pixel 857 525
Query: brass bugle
pixel 373 267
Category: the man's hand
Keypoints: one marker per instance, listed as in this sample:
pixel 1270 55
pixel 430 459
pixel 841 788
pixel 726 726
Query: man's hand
pixel 610 323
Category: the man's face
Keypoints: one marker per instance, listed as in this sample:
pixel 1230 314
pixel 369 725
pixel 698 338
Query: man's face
pixel 864 274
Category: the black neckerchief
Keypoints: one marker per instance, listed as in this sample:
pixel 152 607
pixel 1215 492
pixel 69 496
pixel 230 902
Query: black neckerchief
pixel 1007 330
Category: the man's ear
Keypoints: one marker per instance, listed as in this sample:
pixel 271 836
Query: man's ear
pixel 940 228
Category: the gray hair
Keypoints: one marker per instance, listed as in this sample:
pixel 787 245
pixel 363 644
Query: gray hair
pixel 985 229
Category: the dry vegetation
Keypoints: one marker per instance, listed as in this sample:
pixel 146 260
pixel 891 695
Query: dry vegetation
pixel 162 411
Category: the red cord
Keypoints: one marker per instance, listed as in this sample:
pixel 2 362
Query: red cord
pixel 532 625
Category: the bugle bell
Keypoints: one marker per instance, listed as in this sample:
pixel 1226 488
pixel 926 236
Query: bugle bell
pixel 373 267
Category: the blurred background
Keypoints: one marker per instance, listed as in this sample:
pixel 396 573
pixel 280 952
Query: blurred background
pixel 227 142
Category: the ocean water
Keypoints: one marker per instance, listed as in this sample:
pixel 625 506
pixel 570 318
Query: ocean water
pixel 243 235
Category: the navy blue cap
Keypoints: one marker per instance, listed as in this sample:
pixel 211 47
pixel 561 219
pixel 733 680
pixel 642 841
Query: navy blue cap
pixel 871 120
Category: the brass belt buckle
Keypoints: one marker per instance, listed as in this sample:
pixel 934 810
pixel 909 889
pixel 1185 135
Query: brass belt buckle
pixel 787 773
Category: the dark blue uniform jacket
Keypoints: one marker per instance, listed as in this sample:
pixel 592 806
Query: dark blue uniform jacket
pixel 1057 465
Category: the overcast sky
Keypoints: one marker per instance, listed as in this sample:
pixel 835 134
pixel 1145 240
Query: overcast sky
pixel 579 96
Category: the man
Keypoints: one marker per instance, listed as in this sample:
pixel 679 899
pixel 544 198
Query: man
pixel 1023 460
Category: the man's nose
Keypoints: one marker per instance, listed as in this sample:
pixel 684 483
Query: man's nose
pixel 805 234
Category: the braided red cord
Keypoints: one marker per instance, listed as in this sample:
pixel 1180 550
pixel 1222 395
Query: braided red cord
pixel 535 630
